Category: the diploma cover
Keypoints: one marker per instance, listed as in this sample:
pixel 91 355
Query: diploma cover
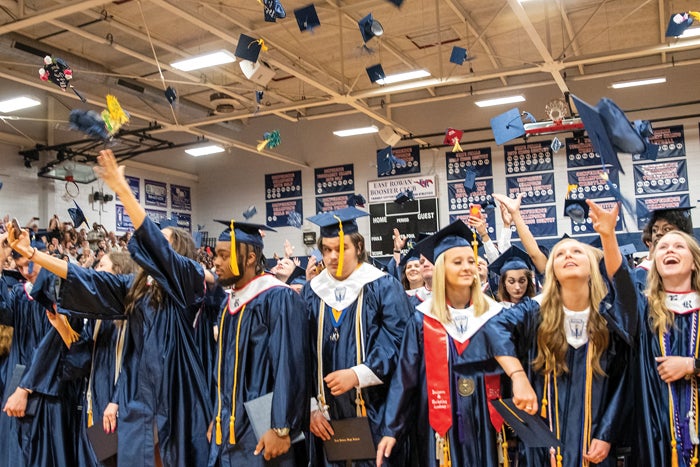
pixel 104 444
pixel 352 440
pixel 259 413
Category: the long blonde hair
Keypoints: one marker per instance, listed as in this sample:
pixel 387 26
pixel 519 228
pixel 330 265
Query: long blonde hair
pixel 551 335
pixel 660 317
pixel 5 339
pixel 439 297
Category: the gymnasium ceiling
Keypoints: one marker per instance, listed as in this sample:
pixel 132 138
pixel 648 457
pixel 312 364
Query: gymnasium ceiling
pixel 122 47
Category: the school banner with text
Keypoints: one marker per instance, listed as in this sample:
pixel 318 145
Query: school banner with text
pixel 337 179
pixel 660 177
pixel 530 157
pixel 411 218
pixel 538 188
pixel 478 160
pixel 386 190
pixel 542 221
pixel 646 205
pixel 284 213
pixel 590 183
pixel 671 142
pixel 283 185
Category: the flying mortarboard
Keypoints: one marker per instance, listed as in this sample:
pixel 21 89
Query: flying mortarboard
pixel 576 209
pixel 248 48
pixel 406 195
pixel 458 55
pixel 273 9
pixel 396 2
pixel 680 22
pixel 357 200
pixel 531 429
pixel 77 216
pixel 513 259
pixel 370 27
pixel 453 136
pixel 170 94
pixel 250 212
pixel 307 18
pixel 470 181
pixel 507 126
pixel 375 72
pixel 457 234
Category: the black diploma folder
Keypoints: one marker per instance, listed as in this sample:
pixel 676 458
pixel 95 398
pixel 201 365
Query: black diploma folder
pixel 352 440
pixel 104 444
pixel 259 411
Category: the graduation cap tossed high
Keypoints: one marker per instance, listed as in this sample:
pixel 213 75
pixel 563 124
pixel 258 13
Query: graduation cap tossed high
pixel 457 234
pixel 77 216
pixel 507 126
pixel 59 73
pixel 338 224
pixel 273 9
pixel 88 122
pixel 307 18
pixel 370 28
pixel 249 48
pixel 271 139
pixel 531 429
pixel 459 55
pixel 170 94
pixel 250 212
pixel 357 200
pixel 406 195
pixel 576 209
pixel 114 116
pixel 386 161
pixel 453 136
pixel 241 232
pixel 513 259
pixel 470 181
pixel 375 72
pixel 680 22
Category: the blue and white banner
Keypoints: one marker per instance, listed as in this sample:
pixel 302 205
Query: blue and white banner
pixel 332 203
pixel 660 177
pixel 180 197
pixel 590 183
pixel 479 160
pixel 410 157
pixel 538 188
pixel 156 215
pixel 135 185
pixel 286 213
pixel 335 179
pixel 156 193
pixel 283 185
pixel 459 200
pixel 123 220
pixel 541 220
pixel 646 205
pixel 671 142
pixel 184 220
pixel 526 158
pixel 580 153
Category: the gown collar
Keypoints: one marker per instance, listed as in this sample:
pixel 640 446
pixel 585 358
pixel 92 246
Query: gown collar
pixel 464 323
pixel 681 303
pixel 263 282
pixel 341 294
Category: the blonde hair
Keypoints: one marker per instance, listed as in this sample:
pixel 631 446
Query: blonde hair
pixel 660 317
pixel 439 308
pixel 5 339
pixel 551 335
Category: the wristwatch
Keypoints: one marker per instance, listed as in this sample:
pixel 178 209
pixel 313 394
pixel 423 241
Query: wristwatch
pixel 696 365
pixel 281 432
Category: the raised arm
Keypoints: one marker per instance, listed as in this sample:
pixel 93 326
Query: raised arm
pixel 529 242
pixel 19 241
pixel 604 223
pixel 113 175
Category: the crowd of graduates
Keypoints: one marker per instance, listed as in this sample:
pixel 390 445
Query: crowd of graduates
pixel 462 351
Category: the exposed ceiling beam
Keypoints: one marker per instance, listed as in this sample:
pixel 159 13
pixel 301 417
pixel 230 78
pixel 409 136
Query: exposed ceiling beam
pixel 50 14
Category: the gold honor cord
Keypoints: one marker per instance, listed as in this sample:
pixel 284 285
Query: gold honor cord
pixel 88 392
pixel 234 255
pixel 341 252
pixel 588 394
pixel 555 460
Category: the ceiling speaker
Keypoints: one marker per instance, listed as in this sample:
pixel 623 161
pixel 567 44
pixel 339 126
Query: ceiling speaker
pixel 389 136
pixel 257 72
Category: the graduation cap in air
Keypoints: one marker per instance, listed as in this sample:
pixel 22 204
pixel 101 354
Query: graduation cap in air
pixel 375 72
pixel 470 181
pixel 396 2
pixel 370 27
pixel 457 234
pixel 406 195
pixel 170 94
pixel 307 18
pixel 241 232
pixel 458 55
pixel 357 200
pixel 513 259
pixel 250 211
pixel 680 22
pixel 248 48
pixel 453 137
pixel 273 9
pixel 576 209
pixel 507 126
pixel 77 216
pixel 298 273
pixel 531 429
pixel 386 161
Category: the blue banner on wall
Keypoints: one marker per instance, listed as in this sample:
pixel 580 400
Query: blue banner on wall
pixel 660 177
pixel 135 185
pixel 180 197
pixel 580 153
pixel 542 221
pixel 123 220
pixel 409 157
pixel 334 179
pixel 646 205
pixel 331 203
pixel 287 213
pixel 538 188
pixel 479 160
pixel 671 142
pixel 184 220
pixel 156 215
pixel 587 227
pixel 530 157
pixel 156 193
pixel 459 200
pixel 590 183
pixel 490 220
pixel 283 185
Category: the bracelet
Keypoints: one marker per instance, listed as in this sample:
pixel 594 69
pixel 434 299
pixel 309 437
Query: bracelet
pixel 516 371
pixel 33 253
pixel 397 251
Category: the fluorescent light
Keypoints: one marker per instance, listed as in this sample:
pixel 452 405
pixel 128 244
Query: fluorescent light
pixel 639 82
pixel 18 103
pixel 398 77
pixel 203 61
pixel 204 150
pixel 693 32
pixel 500 101
pixel 357 131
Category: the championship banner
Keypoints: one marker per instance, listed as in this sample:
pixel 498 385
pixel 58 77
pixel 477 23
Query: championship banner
pixel 671 142
pixel 538 188
pixel 409 157
pixel 156 193
pixel 479 160
pixel 411 218
pixel 386 190
pixel 459 200
pixel 660 177
pixel 184 220
pixel 541 220
pixel 590 183
pixel 156 215
pixel 336 179
pixel 646 205
pixel 530 157
pixel 490 221
pixel 287 213
pixel 580 153
pixel 283 185
pixel 123 221
pixel 180 197
pixel 587 227
pixel 332 203
pixel 135 185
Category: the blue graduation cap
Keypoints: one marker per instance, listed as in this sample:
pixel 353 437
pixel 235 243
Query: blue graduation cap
pixel 458 55
pixel 680 22
pixel 297 276
pixel 412 255
pixel 172 222
pixel 250 212
pixel 333 223
pixel 273 9
pixel 248 48
pixel 396 2
pixel 470 181
pixel 531 429
pixel 375 72
pixel 406 195
pixel 507 126
pixel 77 216
pixel 628 249
pixel 357 200
pixel 576 209
pixel 307 18
pixel 241 232
pixel 170 94
pixel 457 234
pixel 370 27
pixel 513 259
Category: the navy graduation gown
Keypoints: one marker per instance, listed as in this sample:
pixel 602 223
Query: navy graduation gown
pixel 162 388
pixel 514 333
pixel 385 312
pixel 273 357
pixel 472 436
pixel 204 336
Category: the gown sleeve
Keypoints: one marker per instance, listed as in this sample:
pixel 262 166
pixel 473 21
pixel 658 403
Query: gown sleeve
pixel 7 315
pixel 94 293
pixel 620 306
pixel 511 332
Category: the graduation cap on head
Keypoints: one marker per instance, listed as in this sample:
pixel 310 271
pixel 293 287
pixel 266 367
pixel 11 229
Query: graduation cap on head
pixel 338 224
pixel 628 249
pixel 507 126
pixel 165 223
pixel 680 22
pixel 375 72
pixel 411 255
pixel 249 48
pixel 458 55
pixel 470 181
pixel 406 195
pixel 457 234
pixel 77 216
pixel 370 27
pixel 241 232
pixel 513 259
pixel 307 18
pixel 531 429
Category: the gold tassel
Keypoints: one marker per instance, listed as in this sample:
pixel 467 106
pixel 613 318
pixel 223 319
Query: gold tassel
pixel 231 431
pixel 446 452
pixel 341 253
pixel 695 15
pixel 263 47
pixel 457 147
pixel 262 144
pixel 475 245
pixel 504 446
pixel 90 423
pixel 219 436
pixel 234 257
pixel 559 457
pixel 674 453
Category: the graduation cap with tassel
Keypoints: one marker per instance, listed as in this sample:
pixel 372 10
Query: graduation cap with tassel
pixel 272 10
pixel 59 73
pixel 77 216
pixel 679 22
pixel 271 139
pixel 307 18
pixel 453 136
pixel 576 209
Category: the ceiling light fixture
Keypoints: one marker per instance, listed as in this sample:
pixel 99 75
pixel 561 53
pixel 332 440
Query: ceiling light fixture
pixel 398 77
pixel 356 131
pixel 204 150
pixel 18 103
pixel 500 101
pixel 639 82
pixel 203 61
